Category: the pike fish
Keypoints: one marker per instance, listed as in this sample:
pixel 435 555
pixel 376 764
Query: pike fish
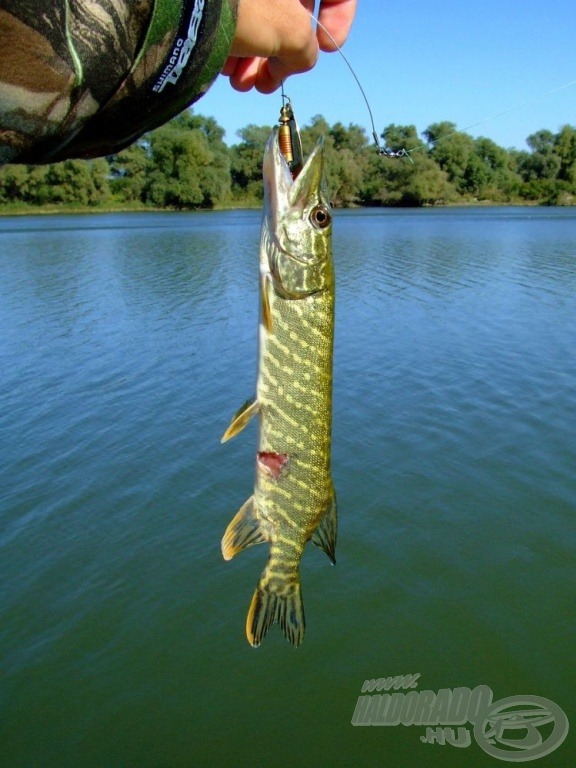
pixel 293 500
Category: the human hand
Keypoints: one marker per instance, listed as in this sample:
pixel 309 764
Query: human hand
pixel 275 39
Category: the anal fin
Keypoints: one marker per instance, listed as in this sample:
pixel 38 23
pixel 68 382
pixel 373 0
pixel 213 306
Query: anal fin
pixel 325 535
pixel 245 530
pixel 241 419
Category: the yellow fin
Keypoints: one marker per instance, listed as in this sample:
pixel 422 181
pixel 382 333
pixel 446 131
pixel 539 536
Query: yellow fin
pixel 270 604
pixel 266 310
pixel 240 419
pixel 244 531
pixel 325 535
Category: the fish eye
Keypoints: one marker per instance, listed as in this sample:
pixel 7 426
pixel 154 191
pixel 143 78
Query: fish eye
pixel 320 216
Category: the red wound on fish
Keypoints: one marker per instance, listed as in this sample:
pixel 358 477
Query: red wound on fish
pixel 272 463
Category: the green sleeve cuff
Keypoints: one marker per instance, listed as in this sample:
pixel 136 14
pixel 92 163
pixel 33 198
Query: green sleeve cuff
pixel 185 48
pixel 222 45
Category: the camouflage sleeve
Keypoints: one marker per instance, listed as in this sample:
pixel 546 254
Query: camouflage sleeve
pixel 84 78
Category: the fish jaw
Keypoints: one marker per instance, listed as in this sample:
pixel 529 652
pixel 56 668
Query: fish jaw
pixel 297 232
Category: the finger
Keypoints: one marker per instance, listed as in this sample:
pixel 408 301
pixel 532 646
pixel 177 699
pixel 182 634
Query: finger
pixel 281 29
pixel 244 76
pixel 337 16
pixel 298 49
pixel 230 66
pixel 271 74
pixel 267 81
pixel 309 5
pixel 266 75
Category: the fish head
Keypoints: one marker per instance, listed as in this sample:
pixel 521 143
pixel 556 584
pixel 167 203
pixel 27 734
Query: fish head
pixel 297 242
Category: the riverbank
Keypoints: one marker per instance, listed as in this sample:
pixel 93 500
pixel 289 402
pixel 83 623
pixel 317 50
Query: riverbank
pixel 21 209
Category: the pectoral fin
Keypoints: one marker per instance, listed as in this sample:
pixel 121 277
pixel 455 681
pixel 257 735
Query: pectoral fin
pixel 240 419
pixel 244 531
pixel 325 535
pixel 265 299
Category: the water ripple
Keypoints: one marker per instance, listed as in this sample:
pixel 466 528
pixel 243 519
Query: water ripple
pixel 128 341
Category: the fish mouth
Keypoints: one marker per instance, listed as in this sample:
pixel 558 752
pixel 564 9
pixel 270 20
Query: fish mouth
pixel 283 193
pixel 295 250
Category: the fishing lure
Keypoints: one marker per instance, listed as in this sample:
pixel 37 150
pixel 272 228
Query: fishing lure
pixel 289 139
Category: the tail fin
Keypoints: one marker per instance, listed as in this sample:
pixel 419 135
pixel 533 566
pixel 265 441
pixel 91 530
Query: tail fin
pixel 276 600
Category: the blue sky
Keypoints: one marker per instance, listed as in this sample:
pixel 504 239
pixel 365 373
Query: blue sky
pixel 424 61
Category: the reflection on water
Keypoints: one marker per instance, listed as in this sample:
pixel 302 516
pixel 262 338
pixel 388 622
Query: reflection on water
pixel 129 340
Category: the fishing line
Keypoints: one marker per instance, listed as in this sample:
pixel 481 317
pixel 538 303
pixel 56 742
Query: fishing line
pixel 521 105
pixel 381 150
pixel 385 152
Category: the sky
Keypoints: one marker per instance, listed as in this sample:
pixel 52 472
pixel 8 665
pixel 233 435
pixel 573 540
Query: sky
pixel 423 62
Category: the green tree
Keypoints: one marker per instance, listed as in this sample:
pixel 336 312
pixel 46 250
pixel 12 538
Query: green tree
pixel 543 162
pixel 437 132
pixel 352 138
pixel 536 165
pixel 565 148
pixel 347 161
pixel 398 137
pixel 186 164
pixel 77 182
pixel 541 142
pixel 215 178
pixel 318 128
pixel 14 183
pixel 129 170
pixel 455 154
pixel 39 186
pixel 498 181
pixel 344 177
pixel 100 192
pixel 187 169
pixel 408 181
pixel 246 162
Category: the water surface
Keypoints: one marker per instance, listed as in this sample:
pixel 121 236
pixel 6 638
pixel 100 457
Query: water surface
pixel 127 341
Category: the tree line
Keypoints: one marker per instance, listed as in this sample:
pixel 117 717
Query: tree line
pixel 186 164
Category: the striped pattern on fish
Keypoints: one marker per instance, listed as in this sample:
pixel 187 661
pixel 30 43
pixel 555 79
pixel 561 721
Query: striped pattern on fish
pixel 294 499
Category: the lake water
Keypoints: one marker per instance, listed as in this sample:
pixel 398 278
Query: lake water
pixel 127 342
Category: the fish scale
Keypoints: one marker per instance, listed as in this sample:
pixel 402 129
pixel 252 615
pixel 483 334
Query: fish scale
pixel 294 500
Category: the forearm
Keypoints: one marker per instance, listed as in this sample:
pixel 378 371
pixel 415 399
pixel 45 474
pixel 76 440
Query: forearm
pixel 87 79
